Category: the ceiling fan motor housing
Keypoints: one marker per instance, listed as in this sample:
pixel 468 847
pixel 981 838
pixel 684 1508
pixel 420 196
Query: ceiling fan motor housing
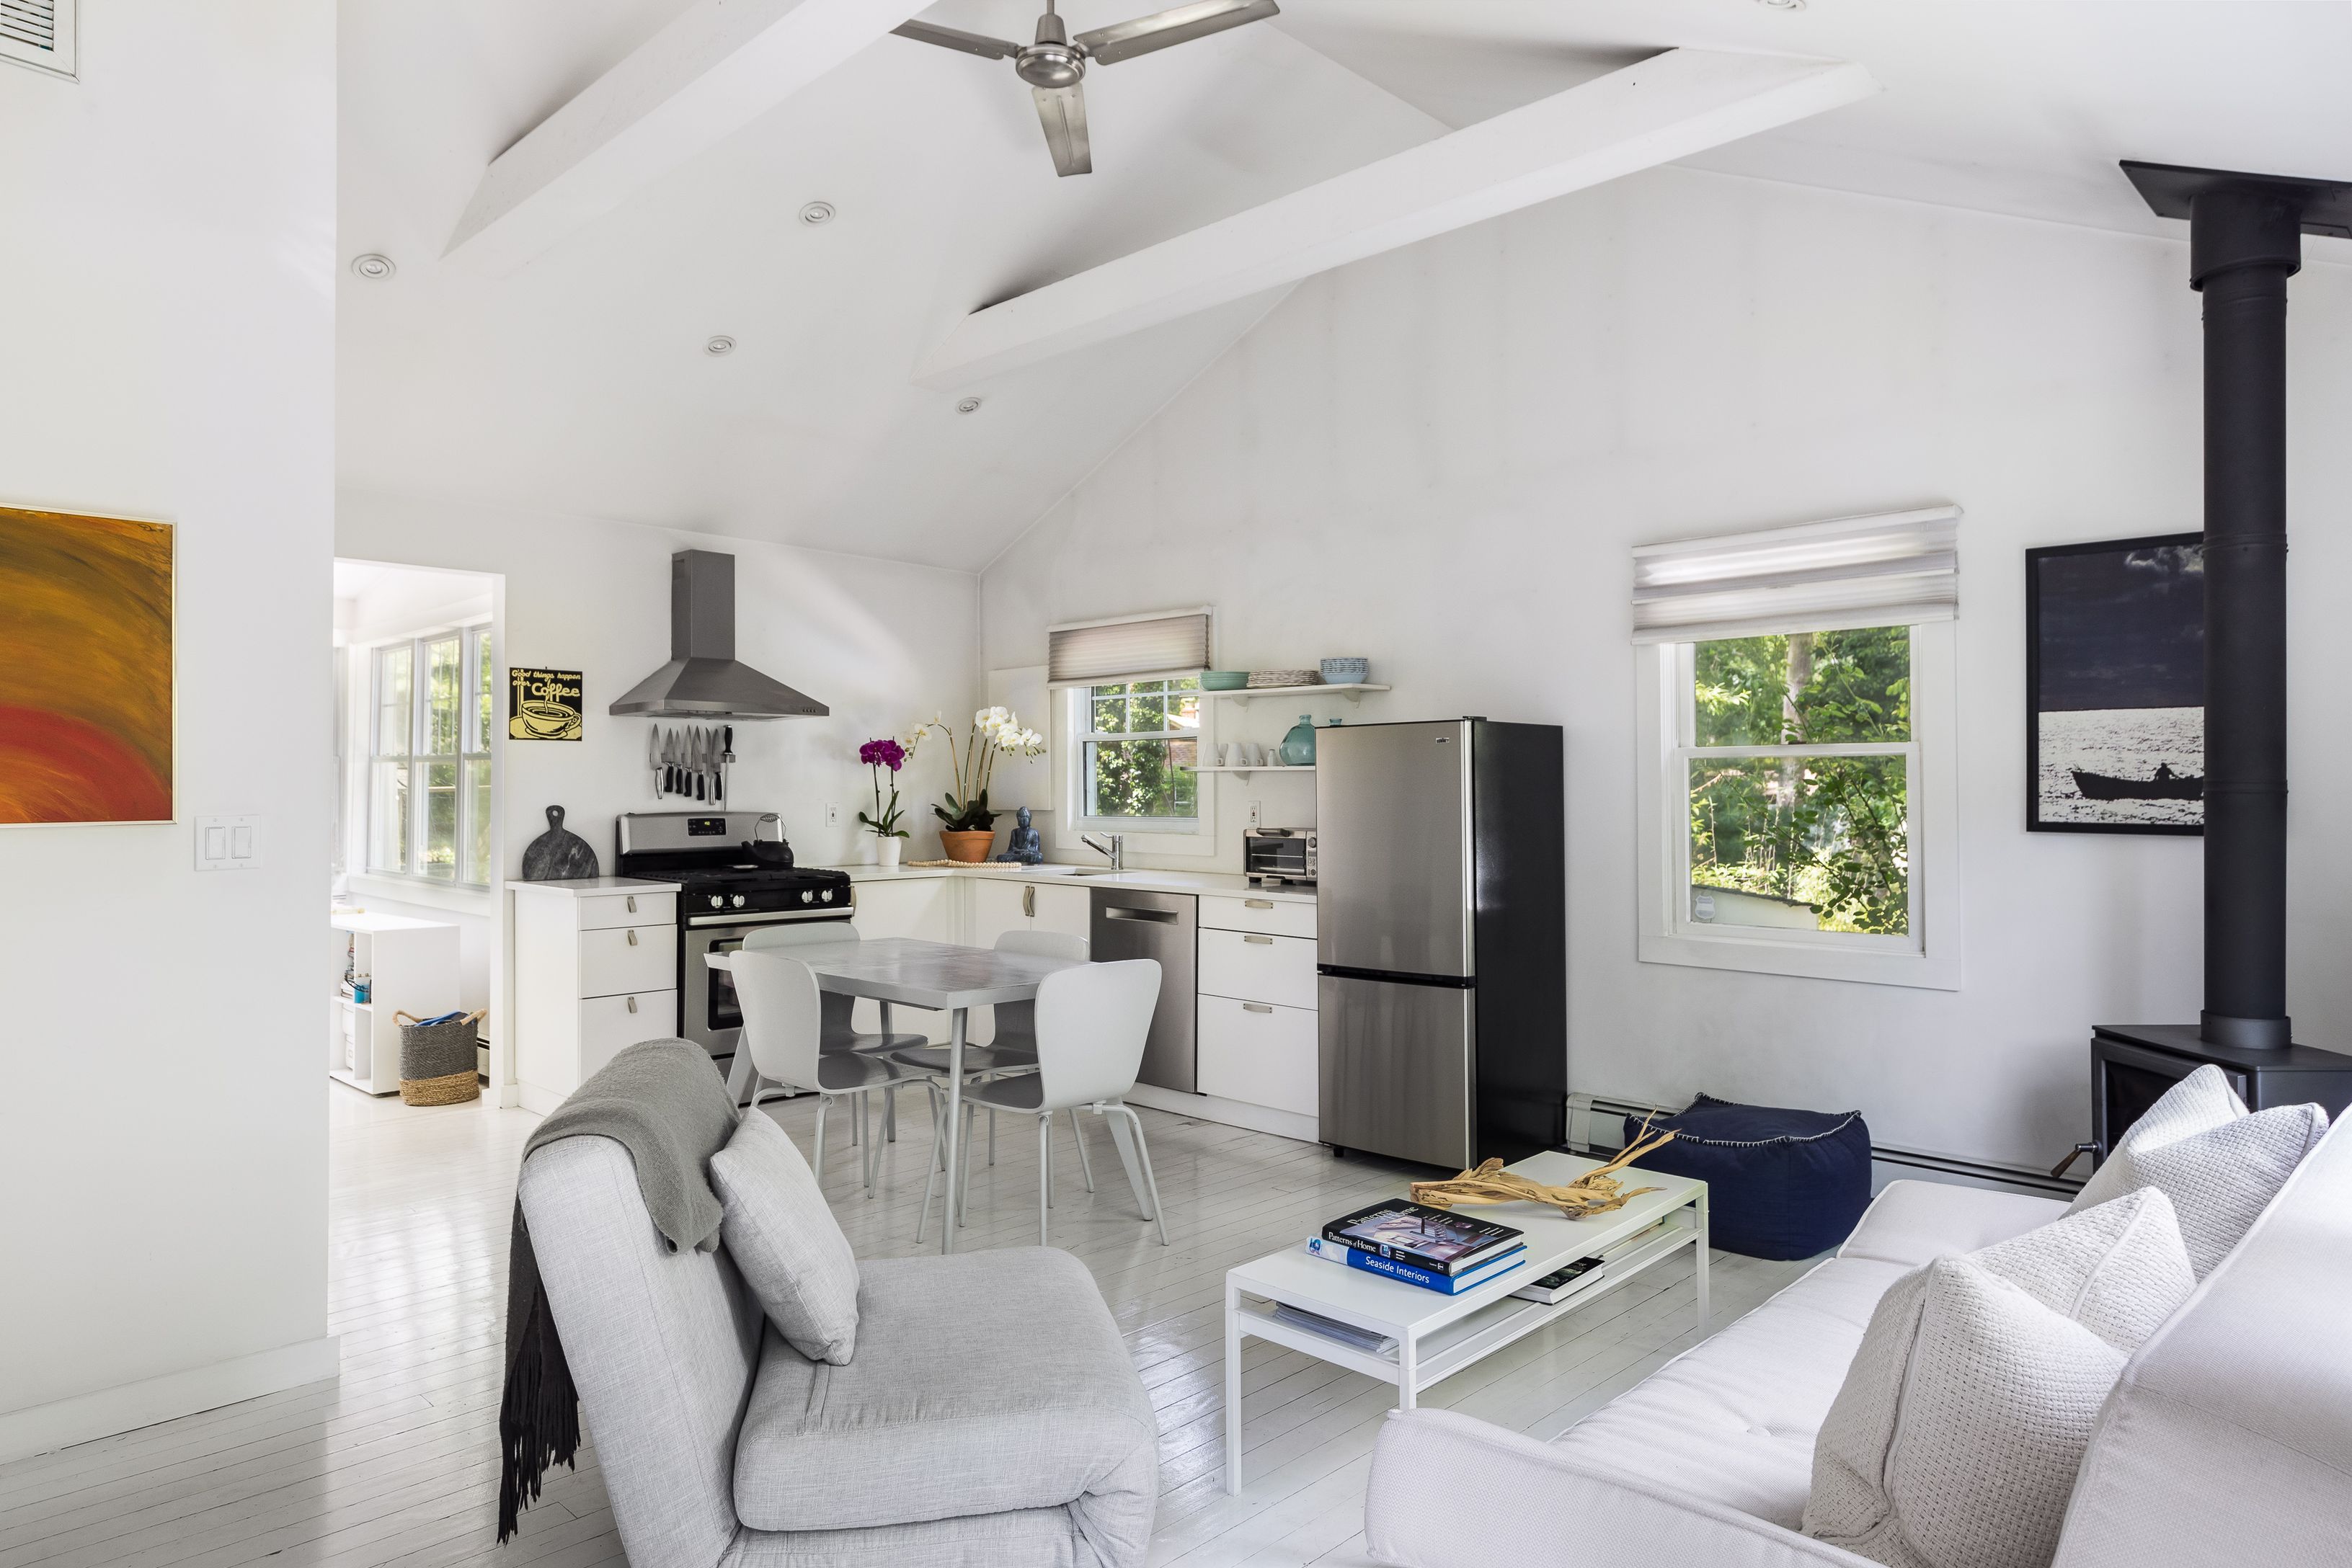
pixel 1052 62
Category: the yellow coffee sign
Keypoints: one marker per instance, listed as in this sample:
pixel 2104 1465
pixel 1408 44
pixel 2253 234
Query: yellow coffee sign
pixel 543 704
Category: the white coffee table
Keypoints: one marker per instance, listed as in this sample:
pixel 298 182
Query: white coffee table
pixel 1438 1335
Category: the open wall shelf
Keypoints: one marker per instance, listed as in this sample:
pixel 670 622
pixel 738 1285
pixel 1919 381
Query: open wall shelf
pixel 1352 693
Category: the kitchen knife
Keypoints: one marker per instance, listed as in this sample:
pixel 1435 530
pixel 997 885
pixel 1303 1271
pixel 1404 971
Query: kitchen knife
pixel 701 766
pixel 653 755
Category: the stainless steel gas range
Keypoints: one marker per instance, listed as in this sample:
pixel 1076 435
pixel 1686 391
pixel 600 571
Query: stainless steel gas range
pixel 727 889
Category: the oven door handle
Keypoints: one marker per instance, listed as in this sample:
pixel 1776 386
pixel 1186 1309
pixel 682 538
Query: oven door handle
pixel 708 920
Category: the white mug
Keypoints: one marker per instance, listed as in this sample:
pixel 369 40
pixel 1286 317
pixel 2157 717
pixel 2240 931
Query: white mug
pixel 1224 755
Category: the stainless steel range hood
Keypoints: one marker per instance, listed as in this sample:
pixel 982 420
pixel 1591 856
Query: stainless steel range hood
pixel 703 679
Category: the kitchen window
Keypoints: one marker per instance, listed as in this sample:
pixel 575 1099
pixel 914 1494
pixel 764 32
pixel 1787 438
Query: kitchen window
pixel 1137 745
pixel 429 767
pixel 1796 751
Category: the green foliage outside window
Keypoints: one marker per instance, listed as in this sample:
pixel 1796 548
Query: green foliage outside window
pixel 1830 831
pixel 1141 745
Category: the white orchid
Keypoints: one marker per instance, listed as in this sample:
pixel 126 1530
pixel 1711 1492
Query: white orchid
pixel 993 730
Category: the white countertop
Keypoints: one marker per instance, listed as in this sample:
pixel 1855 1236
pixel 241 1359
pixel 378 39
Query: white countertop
pixel 1231 885
pixel 587 886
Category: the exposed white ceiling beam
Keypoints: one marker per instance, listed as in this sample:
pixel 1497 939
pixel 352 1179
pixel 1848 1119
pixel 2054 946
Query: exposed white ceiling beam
pixel 1665 107
pixel 709 73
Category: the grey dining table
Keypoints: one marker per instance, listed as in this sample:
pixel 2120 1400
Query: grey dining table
pixel 942 976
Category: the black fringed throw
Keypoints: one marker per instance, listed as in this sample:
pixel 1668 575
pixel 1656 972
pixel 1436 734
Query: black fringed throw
pixel 664 1103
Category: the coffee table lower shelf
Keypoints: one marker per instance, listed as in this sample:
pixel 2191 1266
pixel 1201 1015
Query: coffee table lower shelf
pixel 1436 1335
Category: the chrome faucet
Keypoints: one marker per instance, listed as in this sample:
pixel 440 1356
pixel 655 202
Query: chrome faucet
pixel 1115 849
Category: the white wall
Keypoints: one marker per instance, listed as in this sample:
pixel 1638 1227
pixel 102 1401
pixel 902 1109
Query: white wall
pixel 882 644
pixel 1439 458
pixel 166 246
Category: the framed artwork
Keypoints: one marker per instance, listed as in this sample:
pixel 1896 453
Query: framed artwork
pixel 543 704
pixel 86 699
pixel 2115 687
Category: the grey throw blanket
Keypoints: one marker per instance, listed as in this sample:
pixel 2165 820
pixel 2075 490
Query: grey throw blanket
pixel 663 1100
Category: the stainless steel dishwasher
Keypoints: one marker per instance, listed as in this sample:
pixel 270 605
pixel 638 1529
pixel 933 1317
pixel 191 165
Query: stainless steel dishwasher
pixel 1131 924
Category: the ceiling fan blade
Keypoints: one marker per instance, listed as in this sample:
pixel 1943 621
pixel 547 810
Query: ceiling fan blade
pixel 956 38
pixel 1062 112
pixel 1125 40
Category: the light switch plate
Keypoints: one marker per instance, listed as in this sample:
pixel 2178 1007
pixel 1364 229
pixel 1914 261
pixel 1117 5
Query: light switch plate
pixel 228 843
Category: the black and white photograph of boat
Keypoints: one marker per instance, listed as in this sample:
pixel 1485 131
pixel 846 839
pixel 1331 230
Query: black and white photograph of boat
pixel 2116 686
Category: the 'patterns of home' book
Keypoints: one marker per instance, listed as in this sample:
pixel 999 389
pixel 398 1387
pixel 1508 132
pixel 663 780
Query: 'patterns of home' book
pixel 1415 1233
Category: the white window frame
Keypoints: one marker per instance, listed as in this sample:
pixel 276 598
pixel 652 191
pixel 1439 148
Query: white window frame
pixel 477 645
pixel 1927 958
pixel 1188 837
pixel 63 58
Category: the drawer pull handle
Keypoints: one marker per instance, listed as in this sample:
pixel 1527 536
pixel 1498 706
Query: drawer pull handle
pixel 1257 903
pixel 633 1004
pixel 1265 941
pixel 632 936
pixel 1256 1007
pixel 1029 902
pixel 1157 916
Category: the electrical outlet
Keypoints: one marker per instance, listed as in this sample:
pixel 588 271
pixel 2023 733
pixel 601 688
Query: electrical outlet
pixel 832 815
pixel 1256 820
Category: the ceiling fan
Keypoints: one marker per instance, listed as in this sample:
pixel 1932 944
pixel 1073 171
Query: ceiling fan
pixel 1055 63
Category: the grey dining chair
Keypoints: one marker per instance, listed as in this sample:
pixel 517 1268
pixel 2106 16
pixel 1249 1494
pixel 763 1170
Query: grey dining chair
pixel 783 1033
pixel 1090 1023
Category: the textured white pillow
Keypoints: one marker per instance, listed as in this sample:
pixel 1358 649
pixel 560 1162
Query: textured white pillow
pixel 2219 1165
pixel 785 1240
pixel 1956 1437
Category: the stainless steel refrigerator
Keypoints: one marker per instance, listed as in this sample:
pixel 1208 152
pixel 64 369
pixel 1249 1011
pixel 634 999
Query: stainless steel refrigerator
pixel 1441 930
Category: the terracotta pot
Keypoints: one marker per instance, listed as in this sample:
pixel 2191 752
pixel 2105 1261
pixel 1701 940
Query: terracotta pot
pixel 968 847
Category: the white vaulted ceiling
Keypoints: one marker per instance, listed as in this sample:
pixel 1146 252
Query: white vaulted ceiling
pixel 579 384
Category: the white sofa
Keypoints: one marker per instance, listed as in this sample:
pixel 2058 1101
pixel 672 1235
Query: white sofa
pixel 2227 1442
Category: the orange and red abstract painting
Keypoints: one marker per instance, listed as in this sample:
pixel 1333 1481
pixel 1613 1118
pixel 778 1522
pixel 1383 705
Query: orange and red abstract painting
pixel 85 669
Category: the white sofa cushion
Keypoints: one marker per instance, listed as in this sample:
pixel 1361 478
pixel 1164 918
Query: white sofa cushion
pixel 1915 1222
pixel 1955 1439
pixel 1732 1419
pixel 785 1241
pixel 2219 1165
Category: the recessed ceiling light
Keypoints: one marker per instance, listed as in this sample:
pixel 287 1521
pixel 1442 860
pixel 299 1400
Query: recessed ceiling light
pixel 818 212
pixel 374 267
pixel 721 344
pixel 1782 5
pixel 969 405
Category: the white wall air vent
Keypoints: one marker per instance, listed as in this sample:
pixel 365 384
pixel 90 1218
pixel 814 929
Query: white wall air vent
pixel 40 34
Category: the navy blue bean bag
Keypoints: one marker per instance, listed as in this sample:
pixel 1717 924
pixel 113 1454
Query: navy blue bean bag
pixel 1780 1183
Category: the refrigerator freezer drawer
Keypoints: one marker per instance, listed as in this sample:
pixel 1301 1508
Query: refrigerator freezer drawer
pixel 1397 1065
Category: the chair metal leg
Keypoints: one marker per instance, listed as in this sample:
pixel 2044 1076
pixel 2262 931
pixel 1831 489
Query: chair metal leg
pixel 1044 1171
pixel 857 1119
pixel 873 1149
pixel 823 1104
pixel 1143 1154
pixel 740 1074
pixel 1084 1164
pixel 939 1157
pixel 889 1095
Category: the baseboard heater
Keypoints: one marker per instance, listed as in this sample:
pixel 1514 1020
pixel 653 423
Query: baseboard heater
pixel 1596 1126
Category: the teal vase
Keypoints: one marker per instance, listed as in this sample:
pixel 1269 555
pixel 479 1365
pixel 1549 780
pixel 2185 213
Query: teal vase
pixel 1298 746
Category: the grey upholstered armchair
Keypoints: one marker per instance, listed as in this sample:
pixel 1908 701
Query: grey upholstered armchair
pixel 989 1417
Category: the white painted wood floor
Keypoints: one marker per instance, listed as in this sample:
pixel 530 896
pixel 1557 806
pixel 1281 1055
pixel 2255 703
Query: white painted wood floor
pixel 397 1462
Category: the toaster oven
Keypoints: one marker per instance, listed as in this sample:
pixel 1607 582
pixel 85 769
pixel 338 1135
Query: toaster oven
pixel 1279 854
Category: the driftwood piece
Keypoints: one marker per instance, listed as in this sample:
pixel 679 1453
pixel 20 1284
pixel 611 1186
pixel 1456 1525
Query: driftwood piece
pixel 1596 1191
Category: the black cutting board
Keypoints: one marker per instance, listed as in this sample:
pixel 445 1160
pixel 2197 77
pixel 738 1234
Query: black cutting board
pixel 557 855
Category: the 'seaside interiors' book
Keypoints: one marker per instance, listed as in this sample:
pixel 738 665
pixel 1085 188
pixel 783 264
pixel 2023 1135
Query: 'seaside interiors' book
pixel 1432 1239
pixel 1470 1279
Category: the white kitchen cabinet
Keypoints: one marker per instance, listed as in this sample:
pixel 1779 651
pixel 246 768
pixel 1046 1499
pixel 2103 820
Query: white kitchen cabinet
pixel 1003 904
pixel 1266 916
pixel 596 970
pixel 920 907
pixel 1258 1053
pixel 1253 967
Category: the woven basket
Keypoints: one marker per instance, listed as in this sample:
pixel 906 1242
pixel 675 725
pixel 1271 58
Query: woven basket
pixel 437 1061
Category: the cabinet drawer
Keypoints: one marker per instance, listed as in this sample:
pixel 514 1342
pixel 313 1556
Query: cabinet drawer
pixel 610 909
pixel 1258 1054
pixel 628 959
pixel 1252 967
pixel 609 1023
pixel 1272 916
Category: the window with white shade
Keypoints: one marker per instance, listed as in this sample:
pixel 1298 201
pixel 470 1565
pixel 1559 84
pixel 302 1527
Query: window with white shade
pixel 1796 706
pixel 1129 728
pixel 429 780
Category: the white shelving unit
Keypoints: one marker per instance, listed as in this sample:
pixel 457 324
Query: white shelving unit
pixel 412 968
pixel 1353 692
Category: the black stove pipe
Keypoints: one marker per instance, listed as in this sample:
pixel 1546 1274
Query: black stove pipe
pixel 2245 242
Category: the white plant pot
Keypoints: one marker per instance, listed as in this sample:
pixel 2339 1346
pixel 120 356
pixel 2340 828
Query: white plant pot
pixel 886 851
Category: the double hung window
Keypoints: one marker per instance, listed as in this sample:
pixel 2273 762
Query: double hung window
pixel 429 769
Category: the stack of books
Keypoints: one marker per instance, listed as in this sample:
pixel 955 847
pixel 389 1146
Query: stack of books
pixel 1432 1247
